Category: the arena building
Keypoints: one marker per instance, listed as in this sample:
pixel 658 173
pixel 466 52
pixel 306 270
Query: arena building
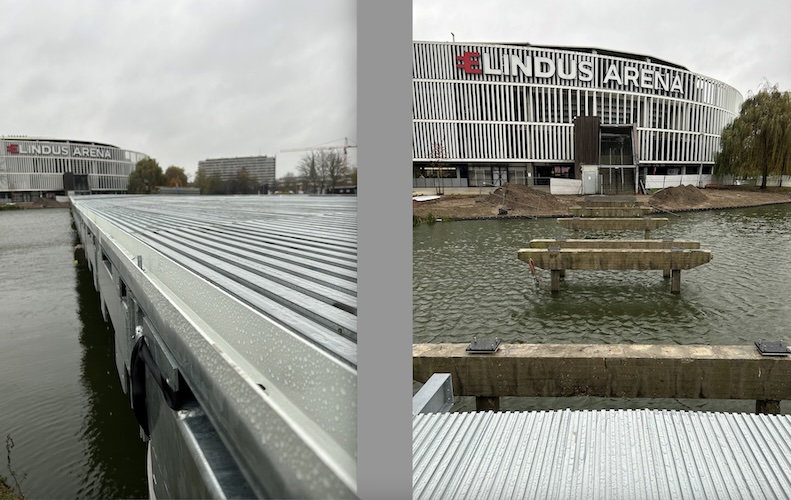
pixel 582 120
pixel 260 168
pixel 33 167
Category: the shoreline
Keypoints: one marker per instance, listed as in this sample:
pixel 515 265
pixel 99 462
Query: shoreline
pixel 522 202
pixel 7 493
pixel 655 211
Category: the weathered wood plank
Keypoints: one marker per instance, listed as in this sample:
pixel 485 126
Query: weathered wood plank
pixel 635 244
pixel 615 259
pixel 612 223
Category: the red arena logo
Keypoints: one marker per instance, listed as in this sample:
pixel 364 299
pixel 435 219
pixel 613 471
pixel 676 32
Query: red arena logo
pixel 12 149
pixel 582 69
pixel 470 62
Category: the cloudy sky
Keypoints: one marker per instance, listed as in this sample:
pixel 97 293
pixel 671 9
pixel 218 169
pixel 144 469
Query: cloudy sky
pixel 179 80
pixel 737 42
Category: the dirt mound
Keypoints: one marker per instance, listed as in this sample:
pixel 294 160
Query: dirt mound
pixel 45 203
pixel 520 197
pixel 678 196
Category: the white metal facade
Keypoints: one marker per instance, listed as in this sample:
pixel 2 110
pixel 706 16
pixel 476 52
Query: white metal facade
pixel 516 105
pixel 37 165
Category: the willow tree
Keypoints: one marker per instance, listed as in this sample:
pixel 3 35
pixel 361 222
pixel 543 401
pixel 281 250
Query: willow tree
pixel 758 141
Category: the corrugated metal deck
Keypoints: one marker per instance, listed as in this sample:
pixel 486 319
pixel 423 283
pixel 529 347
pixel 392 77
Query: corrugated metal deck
pixel 294 259
pixel 629 454
pixel 254 299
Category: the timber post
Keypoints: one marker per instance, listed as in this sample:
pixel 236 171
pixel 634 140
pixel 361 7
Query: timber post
pixel 675 281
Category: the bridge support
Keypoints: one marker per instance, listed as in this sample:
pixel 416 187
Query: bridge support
pixel 555 281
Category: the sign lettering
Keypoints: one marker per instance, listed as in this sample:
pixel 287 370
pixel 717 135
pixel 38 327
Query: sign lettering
pixel 476 63
pixel 59 150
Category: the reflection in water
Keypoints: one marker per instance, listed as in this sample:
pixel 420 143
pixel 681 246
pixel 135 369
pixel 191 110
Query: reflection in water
pixel 468 282
pixel 115 454
pixel 74 432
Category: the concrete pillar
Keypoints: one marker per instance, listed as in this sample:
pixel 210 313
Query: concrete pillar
pixel 675 281
pixel 767 406
pixel 648 234
pixel 555 287
pixel 483 403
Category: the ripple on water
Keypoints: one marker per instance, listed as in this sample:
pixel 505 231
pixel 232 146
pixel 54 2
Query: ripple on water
pixel 468 282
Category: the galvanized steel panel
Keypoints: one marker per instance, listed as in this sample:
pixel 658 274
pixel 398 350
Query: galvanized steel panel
pixel 601 454
pixel 295 260
pixel 256 298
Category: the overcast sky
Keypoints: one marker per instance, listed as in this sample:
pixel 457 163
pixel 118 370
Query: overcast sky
pixel 179 80
pixel 739 43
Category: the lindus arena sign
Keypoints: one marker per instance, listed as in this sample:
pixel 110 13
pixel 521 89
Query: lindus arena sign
pixel 58 150
pixel 545 67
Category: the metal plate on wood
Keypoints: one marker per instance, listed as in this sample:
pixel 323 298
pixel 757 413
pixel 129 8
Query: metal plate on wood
pixel 483 346
pixel 767 348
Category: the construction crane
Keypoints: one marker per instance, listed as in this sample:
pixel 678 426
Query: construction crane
pixel 345 146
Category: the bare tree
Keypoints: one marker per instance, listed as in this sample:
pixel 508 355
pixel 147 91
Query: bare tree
pixel 288 183
pixel 309 168
pixel 438 154
pixel 324 170
pixel 334 166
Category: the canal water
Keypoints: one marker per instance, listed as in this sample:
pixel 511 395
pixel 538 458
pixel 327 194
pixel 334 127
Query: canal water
pixel 468 282
pixel 61 402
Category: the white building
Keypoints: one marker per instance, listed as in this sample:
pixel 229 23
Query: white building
pixel 32 167
pixel 487 114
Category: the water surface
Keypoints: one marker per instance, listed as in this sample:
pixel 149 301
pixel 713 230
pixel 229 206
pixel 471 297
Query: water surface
pixel 468 282
pixel 74 433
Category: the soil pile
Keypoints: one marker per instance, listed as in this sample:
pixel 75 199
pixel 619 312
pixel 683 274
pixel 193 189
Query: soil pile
pixel 43 203
pixel 452 206
pixel 525 199
pixel 678 196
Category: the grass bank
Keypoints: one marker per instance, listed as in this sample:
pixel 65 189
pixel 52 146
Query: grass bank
pixel 6 493
pixel 427 219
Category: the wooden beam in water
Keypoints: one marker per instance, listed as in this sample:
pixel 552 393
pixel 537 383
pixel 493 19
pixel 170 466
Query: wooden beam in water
pixel 612 223
pixel 626 244
pixel 612 211
pixel 615 259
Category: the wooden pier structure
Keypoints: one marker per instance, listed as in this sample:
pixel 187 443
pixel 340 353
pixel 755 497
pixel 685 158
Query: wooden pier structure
pixel 622 214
